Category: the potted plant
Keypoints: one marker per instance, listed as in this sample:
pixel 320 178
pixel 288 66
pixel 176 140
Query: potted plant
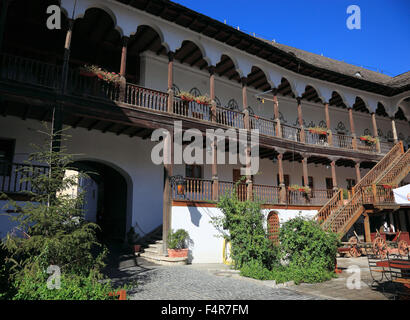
pixel 95 71
pixel 178 244
pixel 368 139
pixel 186 96
pixel 203 100
pixel 318 130
pixel 133 239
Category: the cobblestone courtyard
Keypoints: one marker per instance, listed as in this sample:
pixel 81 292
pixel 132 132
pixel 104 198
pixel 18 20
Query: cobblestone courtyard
pixel 217 282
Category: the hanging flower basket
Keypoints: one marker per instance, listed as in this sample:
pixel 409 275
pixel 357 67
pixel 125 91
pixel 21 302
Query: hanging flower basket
pixel 205 100
pixel 387 186
pixel 368 139
pixel 186 96
pixel 95 71
pixel 295 187
pixel 318 130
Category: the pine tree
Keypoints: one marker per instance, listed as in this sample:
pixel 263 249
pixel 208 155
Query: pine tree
pixel 52 227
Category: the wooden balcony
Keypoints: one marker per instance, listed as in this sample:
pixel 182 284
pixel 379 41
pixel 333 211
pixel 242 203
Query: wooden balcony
pixel 33 74
pixel 13 177
pixel 200 190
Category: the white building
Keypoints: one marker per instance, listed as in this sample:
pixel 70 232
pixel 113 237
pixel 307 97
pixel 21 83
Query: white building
pixel 161 49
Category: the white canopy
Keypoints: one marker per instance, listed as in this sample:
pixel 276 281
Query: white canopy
pixel 402 195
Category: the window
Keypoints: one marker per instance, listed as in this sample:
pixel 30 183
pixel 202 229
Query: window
pixel 286 179
pixel 6 155
pixel 310 181
pixel 350 183
pixel 193 171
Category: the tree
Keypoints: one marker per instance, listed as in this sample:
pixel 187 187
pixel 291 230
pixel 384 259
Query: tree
pixel 52 224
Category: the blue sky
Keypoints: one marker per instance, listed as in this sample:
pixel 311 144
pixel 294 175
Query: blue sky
pixel 319 26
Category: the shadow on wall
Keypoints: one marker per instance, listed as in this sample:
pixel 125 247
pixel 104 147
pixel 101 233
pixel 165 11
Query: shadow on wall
pixel 195 216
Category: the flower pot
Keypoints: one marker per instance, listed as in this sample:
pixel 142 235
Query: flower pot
pixel 137 247
pixel 178 253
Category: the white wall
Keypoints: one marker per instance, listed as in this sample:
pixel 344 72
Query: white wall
pixel 207 241
pixel 129 156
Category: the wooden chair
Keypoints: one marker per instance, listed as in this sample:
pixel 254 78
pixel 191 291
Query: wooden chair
pixel 400 275
pixel 379 274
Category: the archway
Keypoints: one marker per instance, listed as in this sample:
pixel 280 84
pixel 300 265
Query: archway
pixel 105 199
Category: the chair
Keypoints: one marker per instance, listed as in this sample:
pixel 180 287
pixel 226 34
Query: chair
pixel 400 275
pixel 378 273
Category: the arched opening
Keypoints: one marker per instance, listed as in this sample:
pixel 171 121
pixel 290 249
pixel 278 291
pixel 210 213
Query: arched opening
pixel 105 199
pixel 311 94
pixel 399 115
pixel 189 53
pixel 273 227
pixel 381 111
pixel 337 100
pixel 258 80
pixel 226 68
pixel 26 33
pixel 285 88
pixel 360 105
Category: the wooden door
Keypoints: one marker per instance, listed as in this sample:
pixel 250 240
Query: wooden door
pixel 273 227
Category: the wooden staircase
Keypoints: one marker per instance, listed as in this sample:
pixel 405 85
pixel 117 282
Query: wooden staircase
pixel 339 215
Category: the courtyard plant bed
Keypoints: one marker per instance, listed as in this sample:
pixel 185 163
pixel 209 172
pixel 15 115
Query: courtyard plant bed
pixel 305 252
pixel 178 244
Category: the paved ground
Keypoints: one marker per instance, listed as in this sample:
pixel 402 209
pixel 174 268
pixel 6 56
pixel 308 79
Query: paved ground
pixel 216 282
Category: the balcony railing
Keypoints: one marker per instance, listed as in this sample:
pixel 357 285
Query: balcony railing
pixel 342 141
pixel 290 132
pixel 201 190
pixel 265 126
pixel 13 176
pixel 365 146
pixel 192 109
pixel 45 75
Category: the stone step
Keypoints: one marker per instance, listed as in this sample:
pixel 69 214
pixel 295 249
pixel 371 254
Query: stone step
pixel 151 250
pixel 162 260
pixel 155 245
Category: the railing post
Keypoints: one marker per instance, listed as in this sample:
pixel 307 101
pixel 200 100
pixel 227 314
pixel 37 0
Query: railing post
pixel 374 191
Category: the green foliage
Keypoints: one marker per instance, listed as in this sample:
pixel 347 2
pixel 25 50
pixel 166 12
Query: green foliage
pixel 345 194
pixel 178 239
pixel 306 253
pixel 307 246
pixel 32 285
pixel 6 287
pixel 248 238
pixel 53 228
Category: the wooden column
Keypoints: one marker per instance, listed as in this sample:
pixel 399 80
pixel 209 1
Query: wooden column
pixel 393 126
pixel 357 168
pixel 276 113
pixel 212 92
pixel 123 68
pixel 305 171
pixel 367 227
pixel 334 181
pixel 328 125
pixel 170 82
pixel 375 133
pixel 249 183
pixel 167 199
pixel 352 129
pixel 244 81
pixel 300 120
pixel 215 179
pixel 282 192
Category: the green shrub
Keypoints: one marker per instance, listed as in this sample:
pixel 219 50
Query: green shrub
pixel 178 239
pixel 306 245
pixel 32 285
pixel 244 221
